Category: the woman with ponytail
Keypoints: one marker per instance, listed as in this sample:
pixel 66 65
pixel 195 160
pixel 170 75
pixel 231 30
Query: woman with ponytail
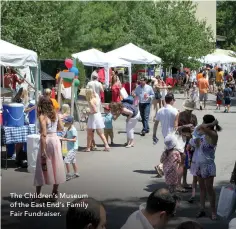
pixel 206 168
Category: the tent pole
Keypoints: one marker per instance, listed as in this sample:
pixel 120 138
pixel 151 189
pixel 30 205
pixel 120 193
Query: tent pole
pixel 60 81
pixel 130 79
pixel 107 78
pixel 36 93
pixel 72 98
pixel 2 72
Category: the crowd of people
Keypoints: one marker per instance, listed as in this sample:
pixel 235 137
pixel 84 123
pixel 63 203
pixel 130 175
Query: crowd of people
pixel 188 145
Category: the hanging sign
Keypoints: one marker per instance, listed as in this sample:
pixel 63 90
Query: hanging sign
pixel 69 75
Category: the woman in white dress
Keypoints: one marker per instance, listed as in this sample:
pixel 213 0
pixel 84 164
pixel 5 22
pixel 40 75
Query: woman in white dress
pixel 95 120
pixel 163 88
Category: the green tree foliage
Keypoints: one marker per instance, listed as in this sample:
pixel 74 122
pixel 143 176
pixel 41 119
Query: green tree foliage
pixel 226 23
pixel 57 29
pixel 34 25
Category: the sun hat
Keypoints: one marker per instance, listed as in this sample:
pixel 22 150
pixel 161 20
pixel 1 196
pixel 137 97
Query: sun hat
pixel 170 141
pixel 188 105
pixel 69 119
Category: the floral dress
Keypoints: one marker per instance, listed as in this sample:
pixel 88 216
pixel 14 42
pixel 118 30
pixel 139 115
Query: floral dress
pixel 171 160
pixel 206 159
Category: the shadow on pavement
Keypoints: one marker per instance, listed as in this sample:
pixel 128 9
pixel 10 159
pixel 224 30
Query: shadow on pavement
pixel 146 172
pixel 118 210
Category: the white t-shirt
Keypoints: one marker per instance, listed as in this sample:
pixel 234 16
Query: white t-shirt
pixel 94 73
pixel 137 220
pixel 96 86
pixel 166 116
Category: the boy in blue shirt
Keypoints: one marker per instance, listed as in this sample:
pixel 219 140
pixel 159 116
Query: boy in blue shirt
pixel 108 130
pixel 72 146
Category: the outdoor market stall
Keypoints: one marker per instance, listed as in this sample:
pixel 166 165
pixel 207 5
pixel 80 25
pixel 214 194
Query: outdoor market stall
pixel 15 56
pixel 134 55
pixel 96 58
pixel 220 56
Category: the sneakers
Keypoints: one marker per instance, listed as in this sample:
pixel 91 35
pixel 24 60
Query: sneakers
pixel 70 176
pixel 76 175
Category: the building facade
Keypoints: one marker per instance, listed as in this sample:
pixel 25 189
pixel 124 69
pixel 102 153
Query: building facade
pixel 207 10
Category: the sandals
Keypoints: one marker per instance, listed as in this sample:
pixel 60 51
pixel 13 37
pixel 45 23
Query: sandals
pixel 129 146
pixel 213 217
pixel 86 150
pixel 187 187
pixel 107 149
pixel 54 197
pixel 191 200
pixel 200 214
pixel 182 190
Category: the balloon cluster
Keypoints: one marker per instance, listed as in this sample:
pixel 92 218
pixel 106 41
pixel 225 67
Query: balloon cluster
pixel 71 68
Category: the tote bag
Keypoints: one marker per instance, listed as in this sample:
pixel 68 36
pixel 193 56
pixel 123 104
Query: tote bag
pixel 226 204
pixel 123 93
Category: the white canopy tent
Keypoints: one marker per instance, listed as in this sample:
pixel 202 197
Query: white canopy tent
pixel 94 57
pixel 15 56
pixel 134 55
pixel 220 56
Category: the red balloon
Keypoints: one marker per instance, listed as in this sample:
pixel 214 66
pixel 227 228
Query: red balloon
pixel 69 63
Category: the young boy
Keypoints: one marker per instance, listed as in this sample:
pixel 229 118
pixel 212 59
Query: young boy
pixel 227 94
pixel 219 98
pixel 72 146
pixel 108 131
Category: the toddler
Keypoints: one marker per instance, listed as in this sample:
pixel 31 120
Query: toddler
pixel 108 131
pixel 72 146
pixel 193 94
pixel 219 98
pixel 171 159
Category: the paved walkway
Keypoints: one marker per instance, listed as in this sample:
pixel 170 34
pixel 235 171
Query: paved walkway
pixel 122 178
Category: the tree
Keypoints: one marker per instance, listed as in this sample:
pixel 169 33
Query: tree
pixel 58 29
pixel 226 23
pixel 33 25
pixel 166 29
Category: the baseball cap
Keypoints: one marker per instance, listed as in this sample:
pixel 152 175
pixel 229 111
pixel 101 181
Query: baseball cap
pixel 69 119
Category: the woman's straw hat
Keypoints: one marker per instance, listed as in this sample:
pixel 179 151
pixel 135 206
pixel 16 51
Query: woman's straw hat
pixel 188 105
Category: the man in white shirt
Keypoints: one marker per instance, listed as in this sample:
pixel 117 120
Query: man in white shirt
pixel 95 73
pixel 96 86
pixel 155 213
pixel 167 116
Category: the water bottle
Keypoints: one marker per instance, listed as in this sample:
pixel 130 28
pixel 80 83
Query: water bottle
pixel 155 140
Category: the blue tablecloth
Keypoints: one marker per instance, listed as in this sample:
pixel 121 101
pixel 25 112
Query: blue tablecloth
pixel 13 135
